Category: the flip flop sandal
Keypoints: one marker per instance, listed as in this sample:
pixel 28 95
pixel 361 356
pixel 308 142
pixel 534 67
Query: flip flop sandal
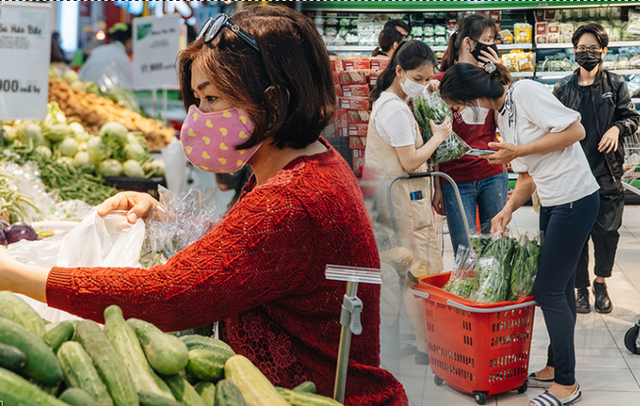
pixel 535 382
pixel 549 399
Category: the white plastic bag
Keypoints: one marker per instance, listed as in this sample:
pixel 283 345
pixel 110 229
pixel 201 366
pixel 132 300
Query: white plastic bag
pixel 97 241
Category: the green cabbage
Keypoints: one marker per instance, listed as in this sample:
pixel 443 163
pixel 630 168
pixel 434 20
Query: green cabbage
pixel 115 131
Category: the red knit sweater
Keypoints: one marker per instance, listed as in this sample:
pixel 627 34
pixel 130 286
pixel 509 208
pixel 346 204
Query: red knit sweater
pixel 261 271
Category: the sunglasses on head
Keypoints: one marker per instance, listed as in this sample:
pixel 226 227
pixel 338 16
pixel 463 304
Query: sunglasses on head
pixel 213 26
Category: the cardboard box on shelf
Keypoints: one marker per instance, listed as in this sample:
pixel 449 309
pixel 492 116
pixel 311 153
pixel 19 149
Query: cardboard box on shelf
pixel 338 91
pixel 379 64
pixel 356 77
pixel 336 78
pixel 373 78
pixel 342 131
pixel 355 90
pixel 356 64
pixel 354 103
pixel 357 116
pixel 336 63
pixel 340 116
pixel 358 130
pixel 357 142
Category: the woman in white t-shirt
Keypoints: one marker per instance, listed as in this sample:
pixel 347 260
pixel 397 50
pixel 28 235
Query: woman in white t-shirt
pixel 394 148
pixel 541 141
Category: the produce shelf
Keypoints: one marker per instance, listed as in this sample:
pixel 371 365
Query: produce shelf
pixel 617 44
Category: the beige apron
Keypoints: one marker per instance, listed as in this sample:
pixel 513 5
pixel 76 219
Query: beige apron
pixel 414 217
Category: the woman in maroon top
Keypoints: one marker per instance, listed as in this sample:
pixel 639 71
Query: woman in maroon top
pixel 481 184
pixel 261 270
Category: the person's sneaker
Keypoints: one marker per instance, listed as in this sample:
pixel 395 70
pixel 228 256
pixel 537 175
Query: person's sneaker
pixel 603 303
pixel 582 300
pixel 422 358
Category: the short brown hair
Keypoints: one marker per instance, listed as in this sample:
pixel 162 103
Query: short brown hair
pixel 287 90
pixel 597 30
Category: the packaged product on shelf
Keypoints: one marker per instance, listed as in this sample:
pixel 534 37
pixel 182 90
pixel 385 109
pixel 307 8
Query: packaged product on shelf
pixel 341 118
pixel 623 62
pixel 336 63
pixel 428 31
pixel 440 41
pixel 358 130
pixel 495 15
pixel 522 33
pixel 416 32
pixel 358 161
pixel 550 14
pixel 439 29
pixel 566 29
pixel 338 91
pixel 355 90
pixel 336 78
pixel 431 41
pixel 357 116
pixel 379 64
pixel 526 62
pixel 541 28
pixel 510 61
pixel 506 36
pixel 553 38
pixel 356 64
pixel 354 103
pixel 539 16
pixel 357 142
pixel 553 27
pixel 609 62
pixel 373 78
pixel 634 62
pixel 354 77
pixel 541 39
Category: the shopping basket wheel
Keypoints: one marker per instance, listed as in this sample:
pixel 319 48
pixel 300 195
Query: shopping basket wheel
pixel 630 340
pixel 437 380
pixel 481 397
pixel 523 388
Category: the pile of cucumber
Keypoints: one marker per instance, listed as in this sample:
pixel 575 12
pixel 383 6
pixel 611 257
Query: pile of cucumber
pixel 126 363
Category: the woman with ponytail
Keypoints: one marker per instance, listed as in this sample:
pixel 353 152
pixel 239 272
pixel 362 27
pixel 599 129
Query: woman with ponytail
pixel 388 41
pixel 541 142
pixel 395 147
pixel 482 185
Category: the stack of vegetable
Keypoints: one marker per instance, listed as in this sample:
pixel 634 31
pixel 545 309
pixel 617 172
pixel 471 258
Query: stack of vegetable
pixel 429 106
pixel 11 233
pixel 93 112
pixel 129 363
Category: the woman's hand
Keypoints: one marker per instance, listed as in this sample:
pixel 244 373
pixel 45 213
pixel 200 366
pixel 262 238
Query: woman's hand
pixel 433 86
pixel 437 202
pixel 609 141
pixel 489 55
pixel 139 205
pixel 506 153
pixel 441 131
pixel 501 220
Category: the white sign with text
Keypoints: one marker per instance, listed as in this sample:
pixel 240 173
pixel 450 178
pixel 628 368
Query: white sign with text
pixel 25 46
pixel 156 43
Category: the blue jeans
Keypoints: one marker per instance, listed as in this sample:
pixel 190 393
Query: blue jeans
pixel 489 195
pixel 565 229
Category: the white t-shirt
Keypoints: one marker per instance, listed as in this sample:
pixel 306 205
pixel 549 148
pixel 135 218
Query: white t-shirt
pixel 530 112
pixel 394 120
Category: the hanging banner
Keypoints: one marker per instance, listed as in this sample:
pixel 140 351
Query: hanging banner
pixel 156 43
pixel 25 46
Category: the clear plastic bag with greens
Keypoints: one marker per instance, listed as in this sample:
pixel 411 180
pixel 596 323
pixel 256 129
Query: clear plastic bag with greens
pixel 430 106
pixel 463 281
pixel 525 267
pixel 493 269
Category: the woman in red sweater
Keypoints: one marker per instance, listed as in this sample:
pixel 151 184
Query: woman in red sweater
pixel 259 89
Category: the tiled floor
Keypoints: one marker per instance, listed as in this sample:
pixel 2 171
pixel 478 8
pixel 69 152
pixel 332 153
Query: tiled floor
pixel 606 371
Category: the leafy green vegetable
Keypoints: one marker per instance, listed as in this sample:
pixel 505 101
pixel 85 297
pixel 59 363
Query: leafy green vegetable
pixel 525 269
pixel 132 169
pixel 83 162
pixel 68 147
pixel 494 270
pixel 98 149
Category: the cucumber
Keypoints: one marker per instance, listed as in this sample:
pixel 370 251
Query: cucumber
pixel 110 367
pixel 307 386
pixel 228 394
pixel 207 392
pixel 298 398
pixel 254 386
pixel 166 353
pixel 195 342
pixel 183 391
pixel 153 399
pixel 125 342
pixel 42 364
pixel 60 333
pixel 12 358
pixel 207 365
pixel 15 390
pixel 77 397
pixel 79 372
pixel 17 310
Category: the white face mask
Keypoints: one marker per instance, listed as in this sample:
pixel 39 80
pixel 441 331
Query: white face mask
pixel 411 88
pixel 474 115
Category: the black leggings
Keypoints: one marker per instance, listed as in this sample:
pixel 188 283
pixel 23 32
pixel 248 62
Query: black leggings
pixel 565 229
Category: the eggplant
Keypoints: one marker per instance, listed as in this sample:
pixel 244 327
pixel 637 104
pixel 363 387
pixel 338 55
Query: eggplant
pixel 20 231
pixel 3 238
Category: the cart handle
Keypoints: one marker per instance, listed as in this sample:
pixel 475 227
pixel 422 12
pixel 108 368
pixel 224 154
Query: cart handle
pixel 424 175
pixel 460 306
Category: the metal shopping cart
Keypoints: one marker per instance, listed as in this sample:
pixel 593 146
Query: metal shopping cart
pixel 632 163
pixel 480 349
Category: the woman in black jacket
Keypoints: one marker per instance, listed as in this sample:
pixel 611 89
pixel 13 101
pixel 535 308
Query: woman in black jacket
pixel 608 115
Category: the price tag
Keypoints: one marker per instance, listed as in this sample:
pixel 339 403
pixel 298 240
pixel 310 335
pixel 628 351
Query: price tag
pixel 156 43
pixel 25 47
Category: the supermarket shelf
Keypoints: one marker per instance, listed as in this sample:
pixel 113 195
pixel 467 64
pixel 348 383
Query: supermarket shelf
pixel 527 45
pixel 552 75
pixel 351 48
pixel 627 72
pixel 611 45
pixel 521 74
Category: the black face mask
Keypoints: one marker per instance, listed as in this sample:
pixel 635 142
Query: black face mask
pixel 482 47
pixel 589 59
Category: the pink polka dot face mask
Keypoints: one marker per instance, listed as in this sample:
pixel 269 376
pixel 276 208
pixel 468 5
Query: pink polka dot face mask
pixel 209 139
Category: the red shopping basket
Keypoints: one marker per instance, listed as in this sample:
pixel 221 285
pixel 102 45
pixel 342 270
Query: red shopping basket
pixel 481 349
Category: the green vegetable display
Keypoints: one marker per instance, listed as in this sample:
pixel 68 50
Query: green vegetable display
pixel 525 269
pixel 429 106
pixel 494 270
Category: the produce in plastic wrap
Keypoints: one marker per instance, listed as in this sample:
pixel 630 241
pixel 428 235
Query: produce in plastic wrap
pixel 494 270
pixel 525 269
pixel 463 281
pixel 429 106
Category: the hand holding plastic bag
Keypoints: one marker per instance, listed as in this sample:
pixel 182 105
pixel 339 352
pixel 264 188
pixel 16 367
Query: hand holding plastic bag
pixel 430 106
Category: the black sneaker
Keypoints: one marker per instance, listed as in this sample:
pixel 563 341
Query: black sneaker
pixel 582 301
pixel 422 358
pixel 603 303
